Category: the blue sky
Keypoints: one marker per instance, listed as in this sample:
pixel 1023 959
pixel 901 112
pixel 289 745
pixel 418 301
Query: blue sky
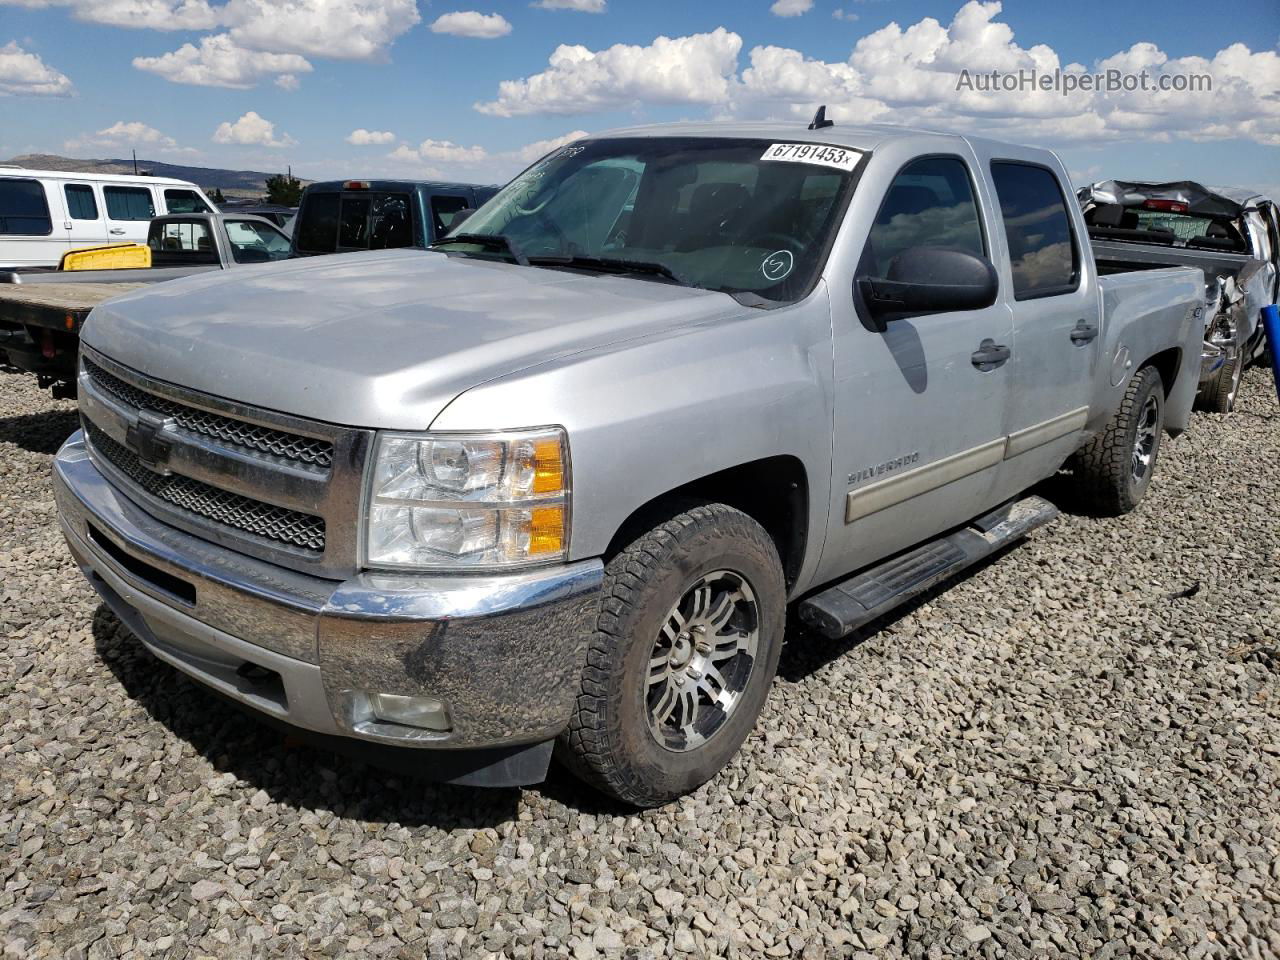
pixel 264 83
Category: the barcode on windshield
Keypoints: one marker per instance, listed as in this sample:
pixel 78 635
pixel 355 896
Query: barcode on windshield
pixel 842 158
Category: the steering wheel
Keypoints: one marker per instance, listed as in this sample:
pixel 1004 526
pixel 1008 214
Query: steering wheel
pixel 559 240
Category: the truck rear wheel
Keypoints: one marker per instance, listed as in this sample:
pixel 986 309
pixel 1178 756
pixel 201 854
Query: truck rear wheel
pixel 1218 395
pixel 686 646
pixel 1113 471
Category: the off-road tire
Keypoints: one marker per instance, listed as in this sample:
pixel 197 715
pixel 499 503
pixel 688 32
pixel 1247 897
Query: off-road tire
pixel 608 742
pixel 1103 469
pixel 1219 394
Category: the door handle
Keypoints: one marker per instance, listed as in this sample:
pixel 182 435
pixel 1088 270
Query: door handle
pixel 990 355
pixel 116 231
pixel 1084 333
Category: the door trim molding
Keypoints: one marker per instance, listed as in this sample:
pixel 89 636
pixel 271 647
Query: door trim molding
pixel 1037 435
pixel 906 486
pixel 894 490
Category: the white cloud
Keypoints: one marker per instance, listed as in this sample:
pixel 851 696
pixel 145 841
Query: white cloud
pixel 24 74
pixel 334 29
pixel 439 151
pixel 540 148
pixel 141 14
pixel 288 81
pixel 363 138
pixel 839 13
pixel 908 74
pixel 582 6
pixel 124 135
pixel 695 69
pixel 469 23
pixel 220 62
pixel 445 160
pixel 790 8
pixel 254 130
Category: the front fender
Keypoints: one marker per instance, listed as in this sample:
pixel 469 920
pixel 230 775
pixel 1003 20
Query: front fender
pixel 647 416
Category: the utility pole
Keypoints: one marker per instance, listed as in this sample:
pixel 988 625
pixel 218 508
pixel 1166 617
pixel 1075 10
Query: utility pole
pixel 135 162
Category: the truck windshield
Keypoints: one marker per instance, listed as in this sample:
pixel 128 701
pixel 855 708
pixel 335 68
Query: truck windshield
pixel 748 217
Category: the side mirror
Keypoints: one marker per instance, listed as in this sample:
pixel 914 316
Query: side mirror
pixel 928 280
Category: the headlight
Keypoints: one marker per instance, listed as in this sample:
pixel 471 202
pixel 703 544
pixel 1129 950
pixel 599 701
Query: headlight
pixel 455 500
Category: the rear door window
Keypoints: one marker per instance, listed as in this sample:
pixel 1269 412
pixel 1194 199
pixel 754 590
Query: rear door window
pixel 81 204
pixel 1042 247
pixel 129 203
pixel 185 201
pixel 24 209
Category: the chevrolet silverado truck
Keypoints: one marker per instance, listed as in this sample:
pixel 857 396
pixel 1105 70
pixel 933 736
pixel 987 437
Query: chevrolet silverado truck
pixel 552 486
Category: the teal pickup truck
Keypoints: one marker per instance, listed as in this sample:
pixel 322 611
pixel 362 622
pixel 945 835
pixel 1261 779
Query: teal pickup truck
pixel 341 216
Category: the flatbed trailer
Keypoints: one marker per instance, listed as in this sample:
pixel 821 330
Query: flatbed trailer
pixel 40 327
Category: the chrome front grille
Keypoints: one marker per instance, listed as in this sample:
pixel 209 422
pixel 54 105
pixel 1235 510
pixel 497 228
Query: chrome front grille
pixel 250 516
pixel 298 449
pixel 267 484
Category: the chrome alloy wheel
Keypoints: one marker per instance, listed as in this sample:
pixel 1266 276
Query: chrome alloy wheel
pixel 1144 444
pixel 702 660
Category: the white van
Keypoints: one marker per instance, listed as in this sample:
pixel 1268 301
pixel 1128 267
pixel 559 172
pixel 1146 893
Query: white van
pixel 45 213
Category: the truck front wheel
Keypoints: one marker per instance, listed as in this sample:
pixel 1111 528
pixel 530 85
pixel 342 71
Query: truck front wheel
pixel 687 642
pixel 1113 470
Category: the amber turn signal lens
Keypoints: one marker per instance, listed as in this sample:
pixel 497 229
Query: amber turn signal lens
pixel 548 466
pixel 546 531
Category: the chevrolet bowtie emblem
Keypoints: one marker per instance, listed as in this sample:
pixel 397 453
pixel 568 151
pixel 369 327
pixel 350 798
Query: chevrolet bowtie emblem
pixel 148 438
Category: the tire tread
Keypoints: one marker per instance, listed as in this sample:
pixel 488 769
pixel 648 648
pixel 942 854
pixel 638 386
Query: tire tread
pixel 1103 466
pixel 589 745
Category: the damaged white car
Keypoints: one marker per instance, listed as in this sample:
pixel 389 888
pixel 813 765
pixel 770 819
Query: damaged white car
pixel 1232 234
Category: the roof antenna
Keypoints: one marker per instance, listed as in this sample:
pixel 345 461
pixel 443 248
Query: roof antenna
pixel 820 120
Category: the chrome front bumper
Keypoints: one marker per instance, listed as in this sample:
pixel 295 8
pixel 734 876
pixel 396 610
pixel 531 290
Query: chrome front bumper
pixel 503 651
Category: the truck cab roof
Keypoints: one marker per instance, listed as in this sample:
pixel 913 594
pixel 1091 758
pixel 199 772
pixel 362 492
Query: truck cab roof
pixel 429 186
pixel 864 137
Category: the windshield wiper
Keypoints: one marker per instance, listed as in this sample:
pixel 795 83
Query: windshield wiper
pixel 612 265
pixel 491 241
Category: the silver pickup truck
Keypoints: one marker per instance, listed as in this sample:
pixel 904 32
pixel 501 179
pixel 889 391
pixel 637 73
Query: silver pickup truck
pixel 555 483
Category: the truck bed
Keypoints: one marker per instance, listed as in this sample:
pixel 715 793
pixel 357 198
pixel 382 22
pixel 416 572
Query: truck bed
pixel 1119 256
pixel 40 324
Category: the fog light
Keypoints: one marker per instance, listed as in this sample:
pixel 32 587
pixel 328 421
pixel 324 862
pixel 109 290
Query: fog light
pixel 425 713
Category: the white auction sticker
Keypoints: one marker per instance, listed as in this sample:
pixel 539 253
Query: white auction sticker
pixel 842 158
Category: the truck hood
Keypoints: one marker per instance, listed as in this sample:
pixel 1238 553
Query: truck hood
pixel 383 339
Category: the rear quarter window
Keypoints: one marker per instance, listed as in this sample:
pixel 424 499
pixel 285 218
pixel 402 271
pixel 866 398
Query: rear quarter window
pixel 24 209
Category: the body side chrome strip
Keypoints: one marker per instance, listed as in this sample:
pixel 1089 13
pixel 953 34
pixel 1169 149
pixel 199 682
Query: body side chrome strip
pixel 1046 431
pixel 887 493
pixel 894 490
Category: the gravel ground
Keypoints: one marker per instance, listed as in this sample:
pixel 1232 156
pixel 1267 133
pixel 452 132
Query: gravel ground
pixel 1072 752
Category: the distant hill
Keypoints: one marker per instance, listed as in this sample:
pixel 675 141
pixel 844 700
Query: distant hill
pixel 232 183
